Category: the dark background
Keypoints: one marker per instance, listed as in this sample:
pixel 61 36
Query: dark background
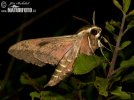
pixel 58 21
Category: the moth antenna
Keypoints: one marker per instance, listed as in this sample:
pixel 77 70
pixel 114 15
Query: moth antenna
pixel 106 41
pixel 101 45
pixel 45 86
pixel 81 19
pixel 104 55
pixel 93 18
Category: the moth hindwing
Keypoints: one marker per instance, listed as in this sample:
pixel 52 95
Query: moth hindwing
pixel 61 51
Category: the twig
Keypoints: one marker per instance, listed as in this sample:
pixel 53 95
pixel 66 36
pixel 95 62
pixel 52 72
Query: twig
pixel 115 54
pixel 81 19
pixel 32 20
pixel 32 82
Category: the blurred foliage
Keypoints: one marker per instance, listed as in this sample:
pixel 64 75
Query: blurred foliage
pixel 93 77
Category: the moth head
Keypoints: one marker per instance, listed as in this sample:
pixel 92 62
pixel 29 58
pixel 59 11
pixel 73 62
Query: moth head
pixel 92 33
pixel 95 31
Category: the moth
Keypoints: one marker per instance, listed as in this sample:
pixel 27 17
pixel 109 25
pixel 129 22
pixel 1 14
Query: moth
pixel 61 51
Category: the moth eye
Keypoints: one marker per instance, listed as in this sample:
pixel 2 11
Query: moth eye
pixel 94 31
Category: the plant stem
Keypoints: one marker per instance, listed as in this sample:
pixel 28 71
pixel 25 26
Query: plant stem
pixel 116 50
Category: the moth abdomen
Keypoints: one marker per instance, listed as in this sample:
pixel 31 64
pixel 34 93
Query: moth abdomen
pixel 63 69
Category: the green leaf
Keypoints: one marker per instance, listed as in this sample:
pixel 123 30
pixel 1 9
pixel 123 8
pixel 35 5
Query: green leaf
pixel 125 44
pixel 85 63
pixel 130 24
pixel 131 13
pixel 117 4
pixel 34 95
pixel 101 84
pixel 121 94
pixel 126 4
pixel 115 23
pixel 127 63
pixel 109 27
pixel 24 79
pixel 41 80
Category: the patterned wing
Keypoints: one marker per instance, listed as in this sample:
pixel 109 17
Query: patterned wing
pixel 30 50
pixel 52 52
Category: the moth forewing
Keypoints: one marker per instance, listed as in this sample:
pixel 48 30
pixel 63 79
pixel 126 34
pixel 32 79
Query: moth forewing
pixel 61 51
pixel 42 50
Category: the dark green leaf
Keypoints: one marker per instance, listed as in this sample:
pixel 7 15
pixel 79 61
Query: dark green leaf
pixel 104 66
pixel 47 95
pixel 77 84
pixel 121 94
pixel 127 63
pixel 125 44
pixel 115 23
pixel 101 84
pixel 41 80
pixel 85 64
pixel 64 86
pixel 24 79
pixel 131 13
pixel 129 77
pixel 126 4
pixel 117 4
pixel 130 24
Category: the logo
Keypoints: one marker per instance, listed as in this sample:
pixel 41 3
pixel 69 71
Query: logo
pixel 3 4
pixel 16 7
